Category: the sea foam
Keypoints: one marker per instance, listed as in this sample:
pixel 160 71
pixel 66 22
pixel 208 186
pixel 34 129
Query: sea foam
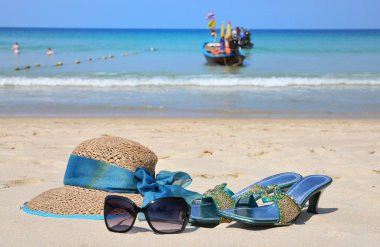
pixel 202 81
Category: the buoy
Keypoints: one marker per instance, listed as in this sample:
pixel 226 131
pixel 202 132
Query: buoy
pixel 27 67
pixel 17 68
pixel 77 61
pixel 59 64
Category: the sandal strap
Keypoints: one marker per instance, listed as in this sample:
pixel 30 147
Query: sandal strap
pixel 255 190
pixel 288 209
pixel 222 198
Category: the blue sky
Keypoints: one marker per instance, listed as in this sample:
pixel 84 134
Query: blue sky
pixel 274 14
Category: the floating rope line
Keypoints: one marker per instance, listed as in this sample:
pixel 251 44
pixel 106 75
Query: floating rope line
pixel 60 64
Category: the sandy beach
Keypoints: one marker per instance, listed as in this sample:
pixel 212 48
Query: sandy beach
pixel 34 154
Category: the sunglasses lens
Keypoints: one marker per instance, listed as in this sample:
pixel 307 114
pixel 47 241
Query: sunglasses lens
pixel 119 215
pixel 167 215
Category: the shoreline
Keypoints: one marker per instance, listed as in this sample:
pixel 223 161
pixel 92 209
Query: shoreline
pixel 195 102
pixel 229 116
pixel 186 119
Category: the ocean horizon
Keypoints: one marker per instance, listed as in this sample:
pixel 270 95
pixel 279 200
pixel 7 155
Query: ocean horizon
pixel 161 72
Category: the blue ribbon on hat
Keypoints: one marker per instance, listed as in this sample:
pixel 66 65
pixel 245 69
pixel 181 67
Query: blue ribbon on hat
pixel 94 174
pixel 166 184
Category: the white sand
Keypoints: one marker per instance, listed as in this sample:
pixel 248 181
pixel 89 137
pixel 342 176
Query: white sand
pixel 34 152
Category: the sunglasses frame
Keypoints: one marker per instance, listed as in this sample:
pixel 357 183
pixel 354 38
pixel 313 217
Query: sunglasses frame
pixel 144 210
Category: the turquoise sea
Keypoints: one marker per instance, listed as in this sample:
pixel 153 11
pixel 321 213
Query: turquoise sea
pixel 146 72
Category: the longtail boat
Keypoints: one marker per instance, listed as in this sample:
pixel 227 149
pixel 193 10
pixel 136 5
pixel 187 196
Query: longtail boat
pixel 210 51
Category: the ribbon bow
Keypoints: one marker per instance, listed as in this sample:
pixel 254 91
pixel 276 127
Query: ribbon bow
pixel 166 184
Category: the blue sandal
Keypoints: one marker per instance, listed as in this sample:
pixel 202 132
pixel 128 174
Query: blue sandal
pixel 286 207
pixel 204 212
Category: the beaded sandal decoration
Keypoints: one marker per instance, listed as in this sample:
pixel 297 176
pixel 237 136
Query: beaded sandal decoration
pixel 288 209
pixel 205 212
pixel 223 199
pixel 285 207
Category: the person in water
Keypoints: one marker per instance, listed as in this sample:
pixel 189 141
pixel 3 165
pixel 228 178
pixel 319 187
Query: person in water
pixel 235 38
pixel 16 48
pixel 242 33
pixel 50 52
pixel 229 44
pixel 245 42
pixel 222 43
pixel 238 31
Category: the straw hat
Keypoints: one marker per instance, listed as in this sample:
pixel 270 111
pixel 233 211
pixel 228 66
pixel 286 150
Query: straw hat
pixel 75 200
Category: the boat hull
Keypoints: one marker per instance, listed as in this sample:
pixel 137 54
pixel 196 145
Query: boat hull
pixel 222 59
pixel 226 60
pixel 247 46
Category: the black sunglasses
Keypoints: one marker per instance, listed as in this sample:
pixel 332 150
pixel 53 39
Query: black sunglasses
pixel 164 215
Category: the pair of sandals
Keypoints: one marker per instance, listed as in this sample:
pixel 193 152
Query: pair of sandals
pixel 221 205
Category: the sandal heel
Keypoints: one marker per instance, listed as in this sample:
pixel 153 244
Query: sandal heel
pixel 313 203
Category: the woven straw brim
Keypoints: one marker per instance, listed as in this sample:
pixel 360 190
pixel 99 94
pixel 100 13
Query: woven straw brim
pixel 73 200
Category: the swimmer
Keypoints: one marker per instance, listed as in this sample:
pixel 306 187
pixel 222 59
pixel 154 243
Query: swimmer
pixel 16 48
pixel 50 52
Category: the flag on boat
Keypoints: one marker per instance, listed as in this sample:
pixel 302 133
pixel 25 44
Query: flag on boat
pixel 212 24
pixel 222 30
pixel 210 16
pixel 228 34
